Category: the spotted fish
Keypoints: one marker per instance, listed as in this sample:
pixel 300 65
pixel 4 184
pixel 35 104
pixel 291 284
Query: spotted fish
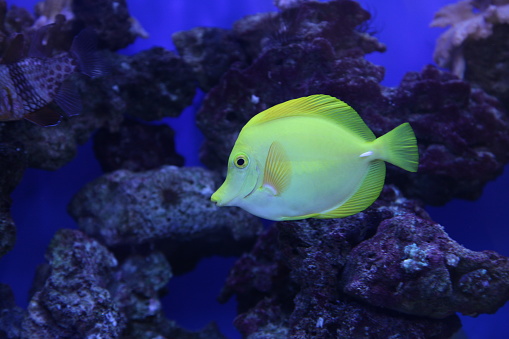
pixel 30 84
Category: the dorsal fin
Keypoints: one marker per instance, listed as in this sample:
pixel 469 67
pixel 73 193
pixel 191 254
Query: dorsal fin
pixel 278 169
pixel 319 105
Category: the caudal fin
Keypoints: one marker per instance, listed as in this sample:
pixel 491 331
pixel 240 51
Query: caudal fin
pixel 399 147
pixel 84 49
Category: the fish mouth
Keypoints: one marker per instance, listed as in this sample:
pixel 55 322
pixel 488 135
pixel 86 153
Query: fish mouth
pixel 234 193
pixel 219 202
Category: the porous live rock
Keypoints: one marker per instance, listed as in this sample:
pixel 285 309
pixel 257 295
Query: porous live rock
pixel 469 20
pixel 116 28
pixel 47 148
pixel 341 22
pixel 282 4
pixel 412 266
pixel 136 146
pixel 137 284
pixel 204 48
pixel 13 161
pixel 11 316
pixel 14 18
pixel 159 327
pixel 462 134
pixel 83 292
pixel 289 285
pixel 136 288
pixel 487 65
pixel 170 206
pixel 47 12
pixel 74 301
pixel 111 20
pixel 209 51
pixel 149 85
pixel 7 232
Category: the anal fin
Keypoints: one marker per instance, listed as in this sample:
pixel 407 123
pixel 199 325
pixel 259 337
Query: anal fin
pixel 367 193
pixel 44 117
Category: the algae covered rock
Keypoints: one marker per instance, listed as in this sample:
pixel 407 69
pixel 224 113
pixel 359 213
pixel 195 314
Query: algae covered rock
pixel 85 291
pixel 136 146
pixel 290 284
pixel 412 266
pixel 74 300
pixel 11 316
pixel 169 206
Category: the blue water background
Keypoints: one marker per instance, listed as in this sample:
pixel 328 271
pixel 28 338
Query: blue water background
pixel 40 201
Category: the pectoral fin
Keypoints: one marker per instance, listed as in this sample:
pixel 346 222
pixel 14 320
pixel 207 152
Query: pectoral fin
pixel 278 169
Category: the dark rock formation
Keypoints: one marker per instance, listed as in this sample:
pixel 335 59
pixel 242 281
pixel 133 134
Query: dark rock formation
pixel 136 147
pixel 487 65
pixel 11 316
pixel 170 206
pixel 74 301
pixel 13 161
pixel 291 284
pixel 412 266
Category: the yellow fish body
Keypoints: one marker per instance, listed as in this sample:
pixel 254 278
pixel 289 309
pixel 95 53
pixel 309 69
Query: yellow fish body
pixel 311 157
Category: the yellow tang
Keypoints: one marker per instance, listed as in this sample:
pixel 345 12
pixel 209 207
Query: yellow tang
pixel 311 157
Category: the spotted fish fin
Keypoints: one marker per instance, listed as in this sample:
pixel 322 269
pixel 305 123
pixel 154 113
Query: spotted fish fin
pixel 45 116
pixel 367 193
pixel 278 169
pixel 318 105
pixel 68 98
pixel 84 49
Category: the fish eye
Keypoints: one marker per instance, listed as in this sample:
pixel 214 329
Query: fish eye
pixel 241 161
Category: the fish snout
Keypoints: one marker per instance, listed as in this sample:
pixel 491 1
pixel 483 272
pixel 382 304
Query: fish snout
pixel 217 199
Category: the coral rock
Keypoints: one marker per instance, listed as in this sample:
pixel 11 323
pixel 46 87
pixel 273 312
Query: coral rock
pixel 150 85
pixel 289 285
pixel 210 52
pixel 11 316
pixel 13 161
pixel 74 301
pixel 110 19
pixel 462 134
pixel 305 21
pixel 136 147
pixel 412 266
pixel 168 205
pixel 470 20
pixel 487 65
